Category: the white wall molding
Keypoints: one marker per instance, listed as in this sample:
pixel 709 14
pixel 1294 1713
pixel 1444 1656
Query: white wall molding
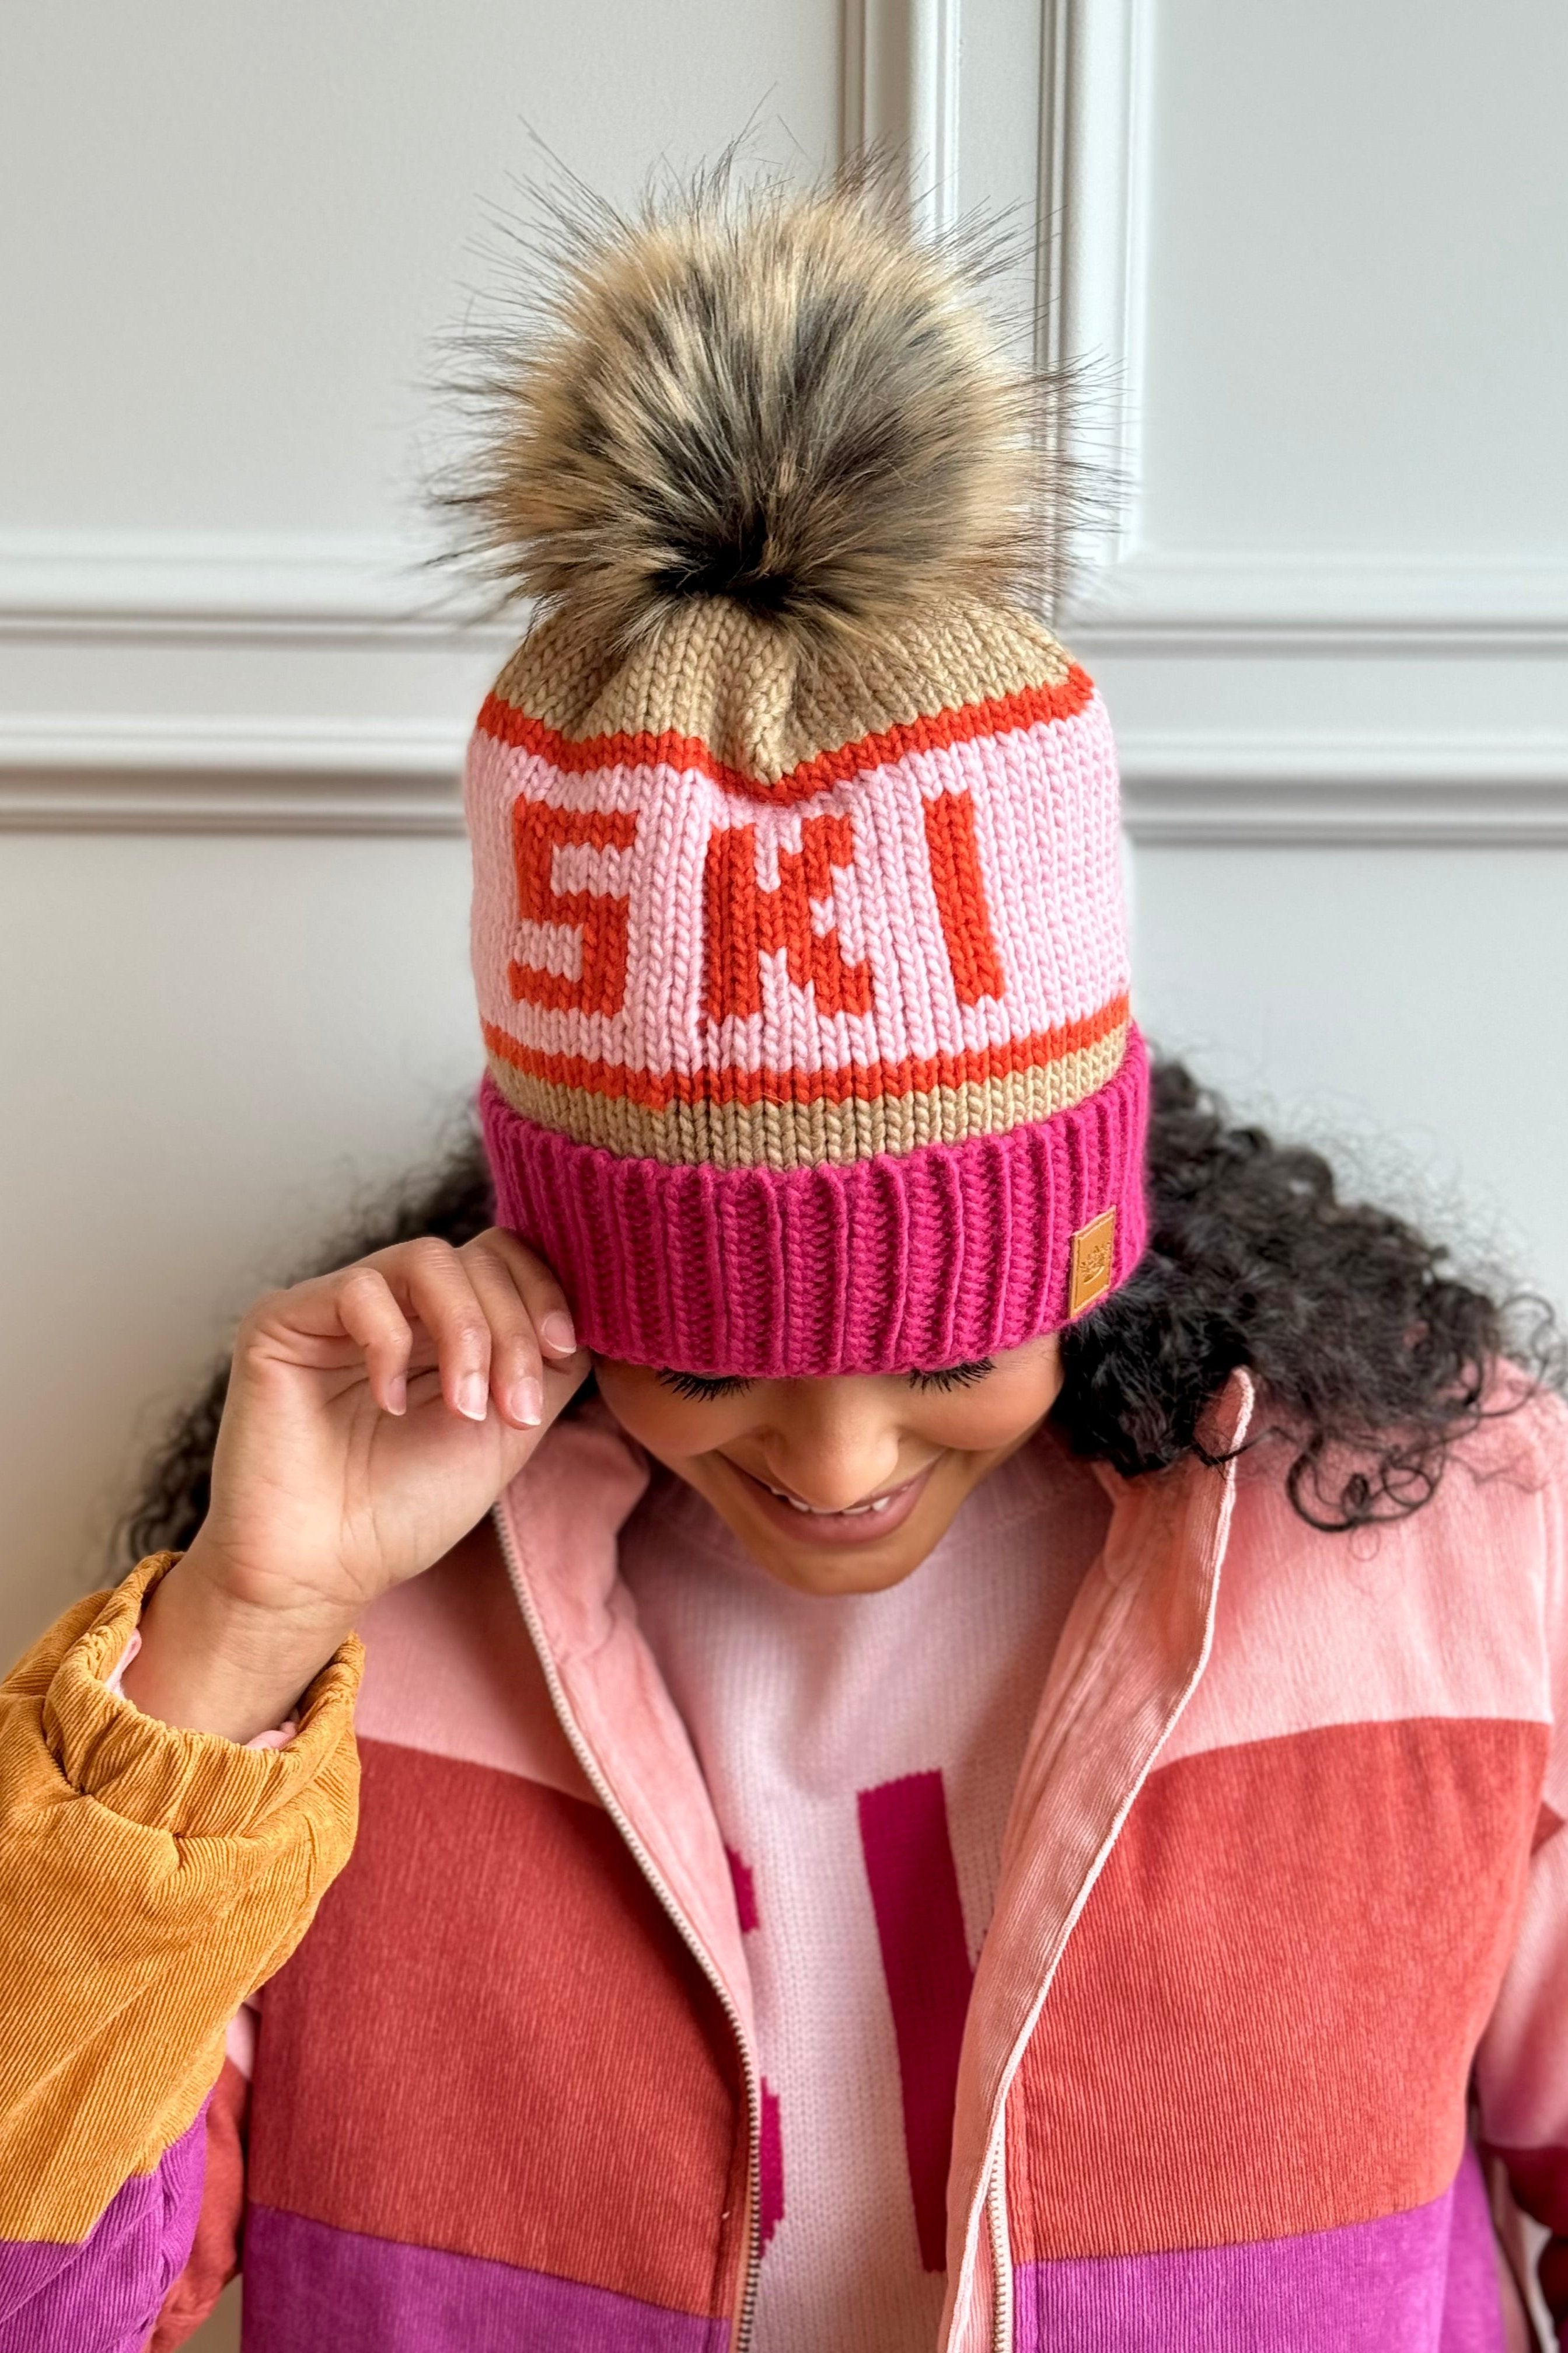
pixel 329 622
pixel 1382 602
pixel 244 775
pixel 153 776
pixel 898 96
pixel 1094 197
pixel 74 588
pixel 217 748
pixel 1091 194
pixel 1277 792
pixel 79 586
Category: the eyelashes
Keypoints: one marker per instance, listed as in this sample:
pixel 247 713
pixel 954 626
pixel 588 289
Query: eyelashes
pixel 702 1387
pixel 694 1386
pixel 955 1376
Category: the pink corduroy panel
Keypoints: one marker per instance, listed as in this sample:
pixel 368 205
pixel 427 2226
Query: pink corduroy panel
pixel 941 1256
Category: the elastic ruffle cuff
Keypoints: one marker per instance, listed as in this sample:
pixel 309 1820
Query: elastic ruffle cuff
pixel 164 1778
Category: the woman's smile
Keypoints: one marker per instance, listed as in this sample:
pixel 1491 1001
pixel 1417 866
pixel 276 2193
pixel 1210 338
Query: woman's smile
pixel 879 1515
pixel 841 1484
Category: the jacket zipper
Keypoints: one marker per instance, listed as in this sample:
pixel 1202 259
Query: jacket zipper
pixel 1001 2257
pixel 689 1937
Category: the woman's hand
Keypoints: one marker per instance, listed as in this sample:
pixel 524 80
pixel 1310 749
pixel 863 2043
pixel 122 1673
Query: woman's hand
pixel 372 1416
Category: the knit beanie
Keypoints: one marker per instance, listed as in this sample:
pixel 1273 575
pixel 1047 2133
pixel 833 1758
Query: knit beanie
pixel 797 923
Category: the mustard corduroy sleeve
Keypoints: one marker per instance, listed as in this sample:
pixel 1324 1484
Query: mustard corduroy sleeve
pixel 150 1879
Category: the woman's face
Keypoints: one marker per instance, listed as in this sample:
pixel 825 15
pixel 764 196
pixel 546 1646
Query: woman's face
pixel 841 1485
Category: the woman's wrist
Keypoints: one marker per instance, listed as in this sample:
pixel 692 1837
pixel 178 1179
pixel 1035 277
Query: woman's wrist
pixel 210 1663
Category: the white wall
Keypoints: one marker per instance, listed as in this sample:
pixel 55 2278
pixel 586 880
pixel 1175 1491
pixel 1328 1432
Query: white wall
pixel 227 236
pixel 1323 250
pixel 1328 248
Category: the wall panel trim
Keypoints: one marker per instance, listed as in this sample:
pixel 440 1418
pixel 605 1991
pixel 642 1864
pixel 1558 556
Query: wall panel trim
pixel 79 587
pixel 354 606
pixel 217 775
pixel 1092 193
pixel 1375 602
pixel 1094 196
pixel 159 776
pixel 898 96
pixel 1399 792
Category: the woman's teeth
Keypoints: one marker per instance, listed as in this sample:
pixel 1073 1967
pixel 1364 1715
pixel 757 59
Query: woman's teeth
pixel 823 1512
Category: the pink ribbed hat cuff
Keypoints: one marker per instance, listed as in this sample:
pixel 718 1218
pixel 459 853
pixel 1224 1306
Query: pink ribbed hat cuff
pixel 938 1256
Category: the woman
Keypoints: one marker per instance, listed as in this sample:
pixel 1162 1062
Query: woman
pixel 1001 1781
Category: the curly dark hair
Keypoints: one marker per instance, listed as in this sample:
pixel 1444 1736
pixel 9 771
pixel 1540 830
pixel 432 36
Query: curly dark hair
pixel 1374 1358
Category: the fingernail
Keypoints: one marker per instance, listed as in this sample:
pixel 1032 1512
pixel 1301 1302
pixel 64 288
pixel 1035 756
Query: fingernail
pixel 528 1403
pixel 397 1395
pixel 556 1332
pixel 473 1396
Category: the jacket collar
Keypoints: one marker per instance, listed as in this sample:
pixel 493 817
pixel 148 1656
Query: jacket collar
pixel 561 1518
pixel 1134 1646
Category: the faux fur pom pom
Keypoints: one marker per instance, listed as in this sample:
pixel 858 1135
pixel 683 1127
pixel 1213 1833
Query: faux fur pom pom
pixel 776 398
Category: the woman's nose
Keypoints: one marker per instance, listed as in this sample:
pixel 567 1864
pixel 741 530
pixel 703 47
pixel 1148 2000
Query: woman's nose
pixel 832 1474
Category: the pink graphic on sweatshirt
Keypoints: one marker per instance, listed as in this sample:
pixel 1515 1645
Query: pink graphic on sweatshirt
pixel 925 1959
pixel 770 2129
pixel 745 1891
pixel 770 2168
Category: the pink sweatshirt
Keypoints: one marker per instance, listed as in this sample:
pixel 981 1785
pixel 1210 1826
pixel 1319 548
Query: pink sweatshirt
pixel 861 1754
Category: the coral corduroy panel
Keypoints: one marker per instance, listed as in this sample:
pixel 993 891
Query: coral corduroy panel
pixel 451 2063
pixel 215 2250
pixel 1263 2022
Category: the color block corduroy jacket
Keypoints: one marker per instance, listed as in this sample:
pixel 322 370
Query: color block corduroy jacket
pixel 1274 1995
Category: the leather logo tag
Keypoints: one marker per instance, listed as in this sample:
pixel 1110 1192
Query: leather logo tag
pixel 1088 1267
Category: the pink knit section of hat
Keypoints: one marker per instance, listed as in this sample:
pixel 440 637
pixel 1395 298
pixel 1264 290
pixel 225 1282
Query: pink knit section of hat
pixel 936 1257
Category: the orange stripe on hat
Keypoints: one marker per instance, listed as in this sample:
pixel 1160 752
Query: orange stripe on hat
pixel 1002 714
pixel 845 1082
